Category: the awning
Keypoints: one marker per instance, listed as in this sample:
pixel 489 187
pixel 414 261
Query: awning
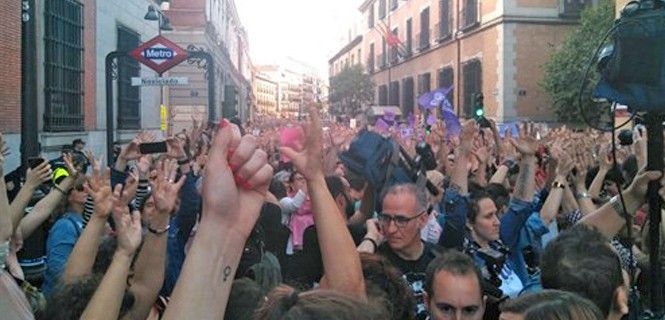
pixel 376 111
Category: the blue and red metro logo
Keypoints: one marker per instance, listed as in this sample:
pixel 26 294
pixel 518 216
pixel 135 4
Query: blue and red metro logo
pixel 160 54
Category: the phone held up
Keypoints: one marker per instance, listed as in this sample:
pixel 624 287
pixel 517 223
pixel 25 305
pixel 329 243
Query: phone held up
pixel 153 147
pixel 34 162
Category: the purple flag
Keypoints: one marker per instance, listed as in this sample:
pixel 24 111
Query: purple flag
pixel 406 132
pixel 434 98
pixel 431 119
pixel 453 126
pixel 381 125
pixel 389 116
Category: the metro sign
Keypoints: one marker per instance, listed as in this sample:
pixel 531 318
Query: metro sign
pixel 160 54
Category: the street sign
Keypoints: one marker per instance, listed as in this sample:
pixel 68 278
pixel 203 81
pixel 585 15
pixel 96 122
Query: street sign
pixel 156 82
pixel 160 54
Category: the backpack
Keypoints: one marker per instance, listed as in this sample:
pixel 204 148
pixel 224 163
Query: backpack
pixel 377 159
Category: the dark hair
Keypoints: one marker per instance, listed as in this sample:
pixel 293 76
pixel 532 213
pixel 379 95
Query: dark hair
pixel 454 262
pixel 580 260
pixel 385 283
pixel 499 194
pixel 335 186
pixel 285 303
pixel 474 200
pixel 244 299
pixel 357 183
pixel 277 189
pixel 553 305
pixel 68 301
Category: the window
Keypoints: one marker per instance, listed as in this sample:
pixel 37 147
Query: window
pixel 383 95
pixel 445 26
pixel 370 60
pixel 129 97
pixel 382 9
pixel 408 101
pixel 424 81
pixel 393 97
pixel 424 29
pixel 472 72
pixel 446 80
pixel 470 14
pixel 63 52
pixel 393 4
pixel 409 36
pixel 359 57
pixel 370 16
pixel 353 59
pixel 572 8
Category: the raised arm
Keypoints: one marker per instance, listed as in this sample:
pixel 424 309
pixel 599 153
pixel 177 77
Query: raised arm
pixel 106 302
pixel 6 226
pixel 228 217
pixel 581 193
pixel 525 186
pixel 551 206
pixel 460 174
pixel 610 218
pixel 82 258
pixel 341 262
pixel 34 178
pixel 605 165
pixel 150 264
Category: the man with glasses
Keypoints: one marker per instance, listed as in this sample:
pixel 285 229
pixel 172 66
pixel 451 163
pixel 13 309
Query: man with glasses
pixel 395 234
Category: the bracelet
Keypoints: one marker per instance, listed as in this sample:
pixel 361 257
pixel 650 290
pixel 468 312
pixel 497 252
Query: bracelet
pixel 615 202
pixel 159 232
pixel 582 195
pixel 372 241
pixel 58 188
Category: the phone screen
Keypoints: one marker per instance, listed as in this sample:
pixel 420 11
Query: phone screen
pixel 153 147
pixel 34 162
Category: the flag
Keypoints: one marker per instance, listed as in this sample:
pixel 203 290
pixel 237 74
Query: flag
pixel 453 126
pixel 435 98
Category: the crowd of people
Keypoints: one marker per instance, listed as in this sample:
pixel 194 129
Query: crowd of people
pixel 247 222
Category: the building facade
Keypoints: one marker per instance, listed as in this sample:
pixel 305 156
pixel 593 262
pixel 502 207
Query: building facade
pixel 10 82
pixel 298 86
pixel 213 26
pixel 494 47
pixel 265 91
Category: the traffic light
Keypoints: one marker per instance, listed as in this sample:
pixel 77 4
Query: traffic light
pixel 478 106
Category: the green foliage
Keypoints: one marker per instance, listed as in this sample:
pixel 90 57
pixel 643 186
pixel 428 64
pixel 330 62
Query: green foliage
pixel 565 69
pixel 350 90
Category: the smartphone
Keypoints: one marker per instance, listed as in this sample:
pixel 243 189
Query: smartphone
pixel 292 137
pixel 34 162
pixel 153 147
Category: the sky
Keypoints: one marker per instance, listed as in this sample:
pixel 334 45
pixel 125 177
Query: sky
pixel 305 30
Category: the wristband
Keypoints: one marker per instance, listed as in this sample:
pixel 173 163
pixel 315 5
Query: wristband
pixel 372 241
pixel 615 202
pixel 56 187
pixel 582 195
pixel 159 232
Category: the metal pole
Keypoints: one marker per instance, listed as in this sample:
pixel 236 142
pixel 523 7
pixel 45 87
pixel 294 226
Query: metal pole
pixel 654 127
pixel 29 115
pixel 109 102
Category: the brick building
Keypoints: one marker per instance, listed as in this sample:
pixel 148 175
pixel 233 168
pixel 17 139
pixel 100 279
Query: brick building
pixel 265 91
pixel 492 47
pixel 10 82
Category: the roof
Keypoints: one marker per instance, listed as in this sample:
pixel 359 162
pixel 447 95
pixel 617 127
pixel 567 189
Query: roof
pixel 346 48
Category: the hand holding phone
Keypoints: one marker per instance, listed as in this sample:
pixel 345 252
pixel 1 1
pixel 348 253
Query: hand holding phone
pixel 292 137
pixel 153 147
pixel 34 162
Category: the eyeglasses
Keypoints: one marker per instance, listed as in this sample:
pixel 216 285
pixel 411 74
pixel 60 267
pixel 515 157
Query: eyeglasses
pixel 400 221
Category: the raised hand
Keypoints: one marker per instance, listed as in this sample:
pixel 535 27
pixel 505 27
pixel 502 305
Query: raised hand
pixel 638 188
pixel 128 225
pixel 98 187
pixel 605 159
pixel 143 165
pixel 309 160
pixel 73 170
pixel 175 148
pixel 164 186
pixel 564 164
pixel 527 145
pixel 480 151
pixel 236 180
pixel 132 151
pixel 131 185
pixel 38 175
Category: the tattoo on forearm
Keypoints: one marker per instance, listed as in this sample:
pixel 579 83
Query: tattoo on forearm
pixel 526 173
pixel 227 272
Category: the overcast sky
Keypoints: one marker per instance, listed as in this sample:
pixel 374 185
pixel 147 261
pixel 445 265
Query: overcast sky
pixel 307 30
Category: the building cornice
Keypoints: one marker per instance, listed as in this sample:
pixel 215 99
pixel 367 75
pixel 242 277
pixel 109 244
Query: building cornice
pixel 346 48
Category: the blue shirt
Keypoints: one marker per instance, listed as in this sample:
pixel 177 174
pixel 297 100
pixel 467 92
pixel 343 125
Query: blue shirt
pixel 59 245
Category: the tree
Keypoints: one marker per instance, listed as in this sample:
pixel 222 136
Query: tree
pixel 565 70
pixel 350 90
